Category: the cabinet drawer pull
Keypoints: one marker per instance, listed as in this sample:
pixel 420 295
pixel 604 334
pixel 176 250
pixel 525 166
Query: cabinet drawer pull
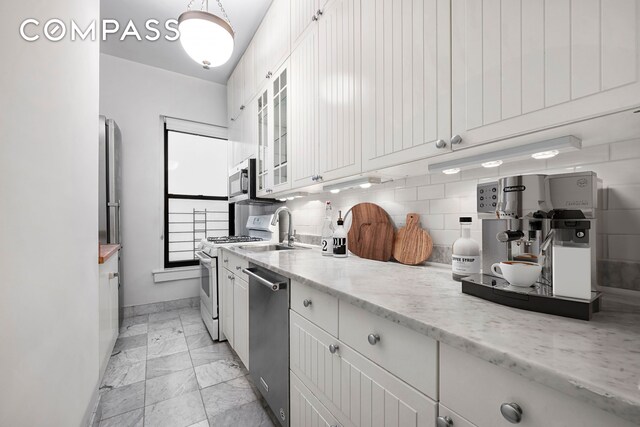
pixel 511 412
pixel 306 302
pixel 373 339
pixel 333 348
pixel 444 422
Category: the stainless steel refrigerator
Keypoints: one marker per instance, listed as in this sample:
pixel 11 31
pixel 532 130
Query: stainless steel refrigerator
pixel 110 190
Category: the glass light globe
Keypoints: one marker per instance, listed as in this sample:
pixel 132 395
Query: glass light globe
pixel 207 38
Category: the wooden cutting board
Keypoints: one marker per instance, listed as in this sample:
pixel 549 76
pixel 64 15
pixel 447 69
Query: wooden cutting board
pixel 371 233
pixel 413 245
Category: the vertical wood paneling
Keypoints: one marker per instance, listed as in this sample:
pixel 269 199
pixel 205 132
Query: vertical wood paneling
pixel 557 36
pixel 429 70
pixel 306 410
pixel 303 95
pixel 511 96
pixel 390 410
pixel 377 405
pixel 340 111
pixel 365 401
pixel 416 90
pixel 474 68
pixel 355 395
pixel 619 42
pixel 491 62
pixel 532 55
pixel 396 76
pixel 378 53
pixel 302 12
pixel 388 86
pixel 585 47
pixel 407 73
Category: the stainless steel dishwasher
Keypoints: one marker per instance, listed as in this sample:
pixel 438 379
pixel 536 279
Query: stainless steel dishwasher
pixel 269 338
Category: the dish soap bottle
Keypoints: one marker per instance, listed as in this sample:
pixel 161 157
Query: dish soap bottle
pixel 340 239
pixel 466 252
pixel 327 232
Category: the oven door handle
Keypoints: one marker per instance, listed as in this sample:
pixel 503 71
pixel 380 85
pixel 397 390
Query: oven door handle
pixel 203 259
pixel 274 286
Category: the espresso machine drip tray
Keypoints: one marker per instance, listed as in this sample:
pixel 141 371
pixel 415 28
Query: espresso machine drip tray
pixel 537 298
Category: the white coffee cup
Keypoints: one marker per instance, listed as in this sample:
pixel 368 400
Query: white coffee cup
pixel 518 273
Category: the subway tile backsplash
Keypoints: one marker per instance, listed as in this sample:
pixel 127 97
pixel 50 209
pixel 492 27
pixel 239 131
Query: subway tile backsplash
pixel 441 199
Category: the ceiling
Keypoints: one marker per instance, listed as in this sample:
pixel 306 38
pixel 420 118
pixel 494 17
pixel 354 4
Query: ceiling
pixel 245 17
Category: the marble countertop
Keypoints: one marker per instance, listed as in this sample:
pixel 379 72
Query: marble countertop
pixel 597 361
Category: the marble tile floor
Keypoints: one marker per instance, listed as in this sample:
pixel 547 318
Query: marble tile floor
pixel 166 371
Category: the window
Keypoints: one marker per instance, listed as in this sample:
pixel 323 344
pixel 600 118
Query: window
pixel 196 204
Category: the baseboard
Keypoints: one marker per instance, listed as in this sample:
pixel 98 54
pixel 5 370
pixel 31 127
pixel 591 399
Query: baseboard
pixel 156 307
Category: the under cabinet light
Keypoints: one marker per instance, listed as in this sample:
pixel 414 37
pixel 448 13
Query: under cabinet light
pixel 365 182
pixel 492 164
pixel 561 144
pixel 451 171
pixel 545 154
pixel 292 196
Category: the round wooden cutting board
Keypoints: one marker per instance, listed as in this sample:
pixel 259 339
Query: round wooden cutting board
pixel 413 245
pixel 371 233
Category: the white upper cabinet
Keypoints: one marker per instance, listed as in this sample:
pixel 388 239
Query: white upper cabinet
pixel 303 126
pixel 303 14
pixel 523 66
pixel 406 90
pixel 339 90
pixel 249 74
pixel 272 40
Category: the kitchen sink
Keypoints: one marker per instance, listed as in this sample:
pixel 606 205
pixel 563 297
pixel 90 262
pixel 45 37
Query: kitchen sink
pixel 267 248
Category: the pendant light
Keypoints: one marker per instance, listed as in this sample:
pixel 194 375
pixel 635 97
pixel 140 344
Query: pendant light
pixel 207 38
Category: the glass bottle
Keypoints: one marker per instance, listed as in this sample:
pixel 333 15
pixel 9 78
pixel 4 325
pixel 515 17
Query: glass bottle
pixel 466 252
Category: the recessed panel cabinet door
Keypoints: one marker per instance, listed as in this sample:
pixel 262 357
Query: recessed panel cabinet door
pixel 241 319
pixel 303 14
pixel 340 92
pixel 303 126
pixel 406 88
pixel 524 66
pixel 306 410
pixel 273 40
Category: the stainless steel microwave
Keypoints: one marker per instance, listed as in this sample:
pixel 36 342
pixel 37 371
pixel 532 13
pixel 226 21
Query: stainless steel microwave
pixel 243 184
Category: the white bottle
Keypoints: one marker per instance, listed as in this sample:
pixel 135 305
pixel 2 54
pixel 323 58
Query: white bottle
pixel 327 232
pixel 466 253
pixel 340 239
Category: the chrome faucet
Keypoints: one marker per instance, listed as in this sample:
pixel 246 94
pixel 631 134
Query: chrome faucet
pixel 276 218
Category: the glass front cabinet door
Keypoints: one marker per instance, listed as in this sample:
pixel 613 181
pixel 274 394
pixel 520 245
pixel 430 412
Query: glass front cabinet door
pixel 274 151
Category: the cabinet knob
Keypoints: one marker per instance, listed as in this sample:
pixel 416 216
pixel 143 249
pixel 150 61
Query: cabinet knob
pixel 113 275
pixel 314 18
pixel 511 412
pixel 444 422
pixel 319 12
pixel 238 267
pixel 306 302
pixel 225 260
pixel 333 348
pixel 373 339
pixel 269 74
pixel 441 143
pixel 457 139
pixel 242 107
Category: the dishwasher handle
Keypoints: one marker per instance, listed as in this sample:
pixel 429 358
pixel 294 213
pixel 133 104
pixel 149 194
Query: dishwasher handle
pixel 274 286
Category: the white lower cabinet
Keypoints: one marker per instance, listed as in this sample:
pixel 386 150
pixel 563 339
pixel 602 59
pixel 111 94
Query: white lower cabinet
pixel 108 310
pixel 480 392
pixel 355 390
pixel 226 308
pixel 241 319
pixel 306 410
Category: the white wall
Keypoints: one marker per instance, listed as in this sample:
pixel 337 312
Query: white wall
pixel 48 220
pixel 135 96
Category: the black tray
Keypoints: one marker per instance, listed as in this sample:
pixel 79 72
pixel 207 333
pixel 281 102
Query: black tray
pixel 537 298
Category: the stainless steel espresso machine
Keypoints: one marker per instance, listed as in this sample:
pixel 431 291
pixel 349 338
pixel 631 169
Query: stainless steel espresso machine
pixel 544 219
